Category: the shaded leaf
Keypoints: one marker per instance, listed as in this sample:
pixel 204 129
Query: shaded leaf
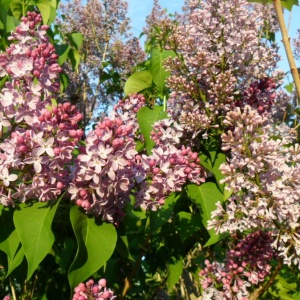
pixel 161 216
pixel 146 118
pixel 205 196
pixel 175 271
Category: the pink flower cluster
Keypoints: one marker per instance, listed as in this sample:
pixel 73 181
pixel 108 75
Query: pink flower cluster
pixel 263 176
pixel 246 265
pixel 165 171
pixel 37 135
pixel 166 131
pixel 32 57
pixel 109 168
pixel 105 170
pixel 127 110
pixel 93 291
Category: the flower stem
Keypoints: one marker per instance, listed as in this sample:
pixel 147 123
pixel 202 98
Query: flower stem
pixel 287 46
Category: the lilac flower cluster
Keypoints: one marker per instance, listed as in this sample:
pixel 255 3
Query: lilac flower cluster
pixel 105 170
pixel 263 176
pixel 166 131
pixel 93 291
pixel 220 54
pixel 127 110
pixel 109 168
pixel 165 171
pixel 37 136
pixel 32 57
pixel 297 45
pixel 260 95
pixel 245 266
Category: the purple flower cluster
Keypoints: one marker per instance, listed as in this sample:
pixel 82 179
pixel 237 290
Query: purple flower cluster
pixel 37 136
pixel 263 176
pixel 220 54
pixel 31 57
pixel 93 291
pixel 127 110
pixel 246 265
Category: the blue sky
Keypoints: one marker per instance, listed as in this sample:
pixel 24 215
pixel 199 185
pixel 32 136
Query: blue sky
pixel 139 9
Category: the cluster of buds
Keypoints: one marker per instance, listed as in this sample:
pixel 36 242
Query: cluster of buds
pixel 93 291
pixel 246 265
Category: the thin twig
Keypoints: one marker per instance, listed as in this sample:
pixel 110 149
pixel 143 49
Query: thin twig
pixel 13 291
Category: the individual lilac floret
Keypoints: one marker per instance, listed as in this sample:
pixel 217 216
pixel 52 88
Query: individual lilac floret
pixel 93 291
pixel 245 266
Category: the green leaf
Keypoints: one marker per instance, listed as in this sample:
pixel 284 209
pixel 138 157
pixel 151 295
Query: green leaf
pixel 63 52
pixel 212 163
pixel 123 247
pixel 16 8
pixel 175 271
pixel 16 260
pixel 11 24
pixel 64 81
pixel 44 7
pixel 187 224
pixel 289 87
pixel 158 72
pixel 214 238
pixel 9 239
pixel 158 218
pixel 137 82
pixel 33 224
pixel 146 118
pixel 280 290
pixel 205 196
pixel 76 40
pixel 75 58
pixel 96 244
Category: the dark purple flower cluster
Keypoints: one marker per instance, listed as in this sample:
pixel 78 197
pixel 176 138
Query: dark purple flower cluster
pixel 260 95
pixel 246 265
pixel 93 291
